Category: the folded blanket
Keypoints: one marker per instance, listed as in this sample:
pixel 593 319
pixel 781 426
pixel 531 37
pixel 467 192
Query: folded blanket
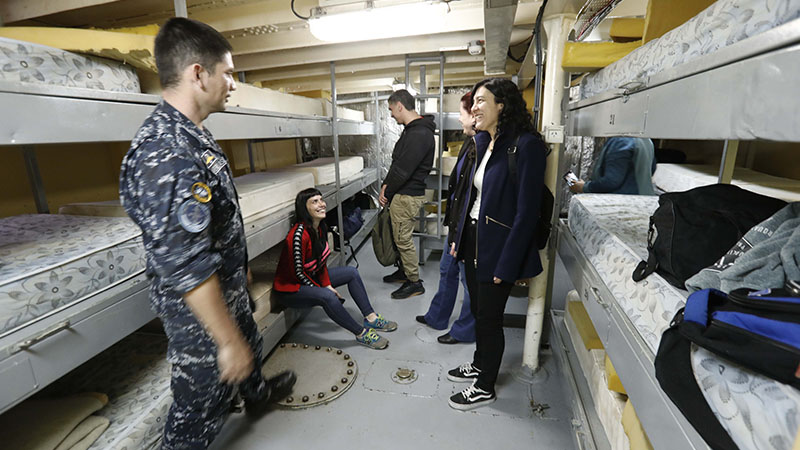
pixel 54 424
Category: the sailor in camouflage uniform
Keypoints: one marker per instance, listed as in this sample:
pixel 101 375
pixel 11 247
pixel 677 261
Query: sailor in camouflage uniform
pixel 176 184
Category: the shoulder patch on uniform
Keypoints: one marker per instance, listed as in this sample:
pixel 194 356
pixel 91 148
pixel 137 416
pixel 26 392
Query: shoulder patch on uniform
pixel 212 161
pixel 194 216
pixel 201 192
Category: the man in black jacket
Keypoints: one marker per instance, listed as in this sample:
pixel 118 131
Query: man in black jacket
pixel 404 188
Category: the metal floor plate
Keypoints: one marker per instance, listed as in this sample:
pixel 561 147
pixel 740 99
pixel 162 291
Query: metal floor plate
pixel 323 373
pixel 387 375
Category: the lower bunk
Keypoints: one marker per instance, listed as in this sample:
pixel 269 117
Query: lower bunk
pixel 132 380
pixel 601 244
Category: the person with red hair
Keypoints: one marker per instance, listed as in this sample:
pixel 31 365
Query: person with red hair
pixel 442 304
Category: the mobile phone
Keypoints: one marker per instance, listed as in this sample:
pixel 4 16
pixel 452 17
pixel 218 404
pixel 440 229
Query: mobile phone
pixel 570 178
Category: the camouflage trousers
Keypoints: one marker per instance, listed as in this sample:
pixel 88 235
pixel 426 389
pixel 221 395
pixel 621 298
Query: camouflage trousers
pixel 200 403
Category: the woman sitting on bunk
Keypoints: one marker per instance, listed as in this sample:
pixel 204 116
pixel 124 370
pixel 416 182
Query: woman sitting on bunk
pixel 303 279
pixel 625 166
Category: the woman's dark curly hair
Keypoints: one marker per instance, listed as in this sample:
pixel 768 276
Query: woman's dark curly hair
pixel 515 116
pixel 301 215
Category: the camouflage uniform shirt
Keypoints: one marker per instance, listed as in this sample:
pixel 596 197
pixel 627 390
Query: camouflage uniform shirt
pixel 176 184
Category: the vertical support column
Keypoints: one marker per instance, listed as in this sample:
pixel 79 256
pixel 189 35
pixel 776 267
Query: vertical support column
pixel 728 163
pixel 241 76
pixel 423 219
pixel 440 125
pixel 250 155
pixel 556 29
pixel 407 80
pixel 35 178
pixel 423 88
pixel 335 135
pixel 180 8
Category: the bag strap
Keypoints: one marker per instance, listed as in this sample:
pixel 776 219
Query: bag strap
pixel 645 268
pixel 512 162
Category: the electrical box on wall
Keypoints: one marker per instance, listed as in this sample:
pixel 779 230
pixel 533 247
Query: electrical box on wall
pixel 554 134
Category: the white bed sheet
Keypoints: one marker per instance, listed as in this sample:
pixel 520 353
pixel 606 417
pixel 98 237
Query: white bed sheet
pixel 324 169
pixel 723 23
pixel 50 261
pixel 759 413
pixel 682 177
pixel 260 194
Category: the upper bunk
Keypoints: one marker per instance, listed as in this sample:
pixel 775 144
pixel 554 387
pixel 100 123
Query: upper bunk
pixel 723 74
pixel 85 98
pixel 88 115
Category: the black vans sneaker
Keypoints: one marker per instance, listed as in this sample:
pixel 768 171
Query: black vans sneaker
pixel 463 373
pixel 409 289
pixel 471 398
pixel 396 277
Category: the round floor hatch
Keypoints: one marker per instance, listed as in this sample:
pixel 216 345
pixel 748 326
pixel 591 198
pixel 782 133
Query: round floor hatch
pixel 323 373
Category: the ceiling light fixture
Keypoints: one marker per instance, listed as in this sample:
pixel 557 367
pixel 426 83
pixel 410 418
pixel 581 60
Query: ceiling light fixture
pixel 370 22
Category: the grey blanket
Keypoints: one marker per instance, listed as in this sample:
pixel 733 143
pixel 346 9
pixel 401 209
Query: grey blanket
pixel 764 257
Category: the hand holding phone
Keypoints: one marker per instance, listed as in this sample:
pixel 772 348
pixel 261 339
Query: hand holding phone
pixel 570 178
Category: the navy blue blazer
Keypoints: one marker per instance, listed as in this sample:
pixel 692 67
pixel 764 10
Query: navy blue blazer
pixel 509 210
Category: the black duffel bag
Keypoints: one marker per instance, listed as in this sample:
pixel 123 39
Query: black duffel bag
pixel 691 230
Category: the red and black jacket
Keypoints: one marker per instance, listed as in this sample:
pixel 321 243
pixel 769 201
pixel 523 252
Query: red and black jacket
pixel 297 265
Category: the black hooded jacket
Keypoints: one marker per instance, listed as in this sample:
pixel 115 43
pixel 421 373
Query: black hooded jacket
pixel 412 159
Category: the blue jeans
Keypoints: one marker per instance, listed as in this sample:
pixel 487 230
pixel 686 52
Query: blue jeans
pixel 309 296
pixel 444 301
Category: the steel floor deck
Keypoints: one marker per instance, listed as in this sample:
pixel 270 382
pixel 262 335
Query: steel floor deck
pixel 380 413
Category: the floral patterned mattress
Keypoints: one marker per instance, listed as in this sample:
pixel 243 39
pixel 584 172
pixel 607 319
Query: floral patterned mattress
pixel 135 375
pixel 759 413
pixel 26 62
pixel 682 177
pixel 722 24
pixel 49 261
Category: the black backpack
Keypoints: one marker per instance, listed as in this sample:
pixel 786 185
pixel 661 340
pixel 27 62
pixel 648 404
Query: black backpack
pixel 543 225
pixel 691 230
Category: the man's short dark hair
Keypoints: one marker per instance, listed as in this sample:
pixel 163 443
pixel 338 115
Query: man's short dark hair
pixel 182 42
pixel 404 97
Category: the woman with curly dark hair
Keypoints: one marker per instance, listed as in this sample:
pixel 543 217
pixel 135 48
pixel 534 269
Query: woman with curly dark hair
pixel 495 234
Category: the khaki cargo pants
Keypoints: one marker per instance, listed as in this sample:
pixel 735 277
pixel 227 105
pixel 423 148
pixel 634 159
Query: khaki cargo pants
pixel 404 211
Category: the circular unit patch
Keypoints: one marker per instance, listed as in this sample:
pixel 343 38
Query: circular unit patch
pixel 323 373
pixel 194 216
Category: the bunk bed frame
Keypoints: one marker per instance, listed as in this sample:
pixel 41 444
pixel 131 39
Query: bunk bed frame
pixel 38 354
pixel 697 100
pixel 762 67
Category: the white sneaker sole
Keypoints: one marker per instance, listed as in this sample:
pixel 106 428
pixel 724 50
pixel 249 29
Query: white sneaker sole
pixel 461 380
pixel 470 406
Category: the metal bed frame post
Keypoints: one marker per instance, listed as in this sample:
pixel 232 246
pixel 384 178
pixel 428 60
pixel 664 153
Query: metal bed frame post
pixel 180 8
pixel 728 162
pixel 335 134
pixel 35 178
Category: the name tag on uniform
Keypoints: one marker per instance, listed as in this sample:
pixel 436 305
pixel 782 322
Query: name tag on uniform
pixel 213 162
